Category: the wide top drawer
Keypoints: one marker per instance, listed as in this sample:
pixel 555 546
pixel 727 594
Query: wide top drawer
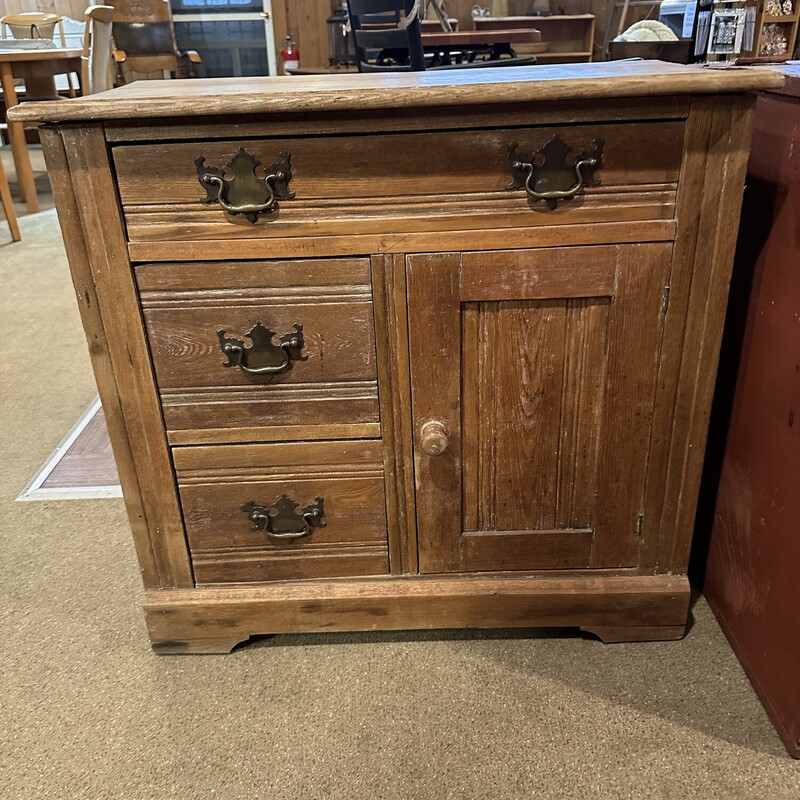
pixel 356 190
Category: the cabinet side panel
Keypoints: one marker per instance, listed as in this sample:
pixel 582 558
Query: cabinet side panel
pixel 690 201
pixel 717 211
pixel 90 217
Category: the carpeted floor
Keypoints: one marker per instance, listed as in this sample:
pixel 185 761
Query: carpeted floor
pixel 89 712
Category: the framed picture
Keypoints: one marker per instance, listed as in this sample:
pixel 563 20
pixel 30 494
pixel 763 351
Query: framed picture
pixel 727 29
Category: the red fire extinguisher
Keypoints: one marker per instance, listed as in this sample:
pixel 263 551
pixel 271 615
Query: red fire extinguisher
pixel 290 56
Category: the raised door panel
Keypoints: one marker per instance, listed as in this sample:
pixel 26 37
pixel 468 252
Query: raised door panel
pixel 540 365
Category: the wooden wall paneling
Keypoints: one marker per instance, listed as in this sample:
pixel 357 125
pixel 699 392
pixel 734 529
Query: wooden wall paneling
pixel 94 234
pixel 707 270
pixel 305 21
pixel 280 28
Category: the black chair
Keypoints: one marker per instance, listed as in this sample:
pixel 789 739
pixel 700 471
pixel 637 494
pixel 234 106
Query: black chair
pixel 379 28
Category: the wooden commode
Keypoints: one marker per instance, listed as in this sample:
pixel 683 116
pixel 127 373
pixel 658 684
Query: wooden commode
pixel 427 350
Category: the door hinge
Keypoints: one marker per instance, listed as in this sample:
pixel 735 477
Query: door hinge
pixel 665 300
pixel 639 524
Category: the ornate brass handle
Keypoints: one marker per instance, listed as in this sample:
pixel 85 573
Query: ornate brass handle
pixel 433 437
pixel 281 520
pixel 244 192
pixel 263 357
pixel 549 176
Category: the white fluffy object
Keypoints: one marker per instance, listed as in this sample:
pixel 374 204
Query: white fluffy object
pixel 647 30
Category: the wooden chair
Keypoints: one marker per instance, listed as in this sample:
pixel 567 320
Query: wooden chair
pixel 8 205
pixel 144 38
pixel 378 25
pixel 392 28
pixel 36 25
pixel 33 25
pixel 97 74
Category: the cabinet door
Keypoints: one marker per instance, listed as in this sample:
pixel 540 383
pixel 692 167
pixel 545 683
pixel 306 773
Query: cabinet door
pixel 533 376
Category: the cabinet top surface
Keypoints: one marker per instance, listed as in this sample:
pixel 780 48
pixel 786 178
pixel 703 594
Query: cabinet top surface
pixel 403 90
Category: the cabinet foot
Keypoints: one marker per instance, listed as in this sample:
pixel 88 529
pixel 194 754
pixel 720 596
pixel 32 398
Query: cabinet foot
pixel 196 646
pixel 636 633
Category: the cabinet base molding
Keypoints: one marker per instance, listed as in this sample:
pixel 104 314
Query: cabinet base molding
pixel 196 647
pixel 635 633
pixel 630 608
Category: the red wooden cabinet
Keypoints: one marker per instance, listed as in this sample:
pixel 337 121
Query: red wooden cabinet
pixel 753 573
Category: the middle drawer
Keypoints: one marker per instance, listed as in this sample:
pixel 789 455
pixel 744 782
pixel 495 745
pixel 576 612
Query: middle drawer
pixel 263 350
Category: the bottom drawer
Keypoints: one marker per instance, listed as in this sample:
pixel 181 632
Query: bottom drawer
pixel 268 512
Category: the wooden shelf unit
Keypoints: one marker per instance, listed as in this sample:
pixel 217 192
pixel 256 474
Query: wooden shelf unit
pixel 762 19
pixel 568 37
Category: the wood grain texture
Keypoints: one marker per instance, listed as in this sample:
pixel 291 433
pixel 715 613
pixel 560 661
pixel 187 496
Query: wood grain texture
pixel 367 167
pixel 434 290
pixel 548 403
pixel 728 151
pixel 512 358
pixel 417 242
pixel 184 621
pixel 216 483
pixel 573 404
pixel 185 306
pixel 275 433
pixel 94 238
pixel 186 222
pixel 634 343
pixel 691 201
pixel 88 461
pixel 537 274
pixel 636 633
pixel 357 186
pixel 389 288
pixel 252 126
pixel 364 166
pixel 153 99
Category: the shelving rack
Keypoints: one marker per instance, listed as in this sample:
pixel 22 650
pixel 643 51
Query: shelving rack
pixel 569 37
pixel 789 22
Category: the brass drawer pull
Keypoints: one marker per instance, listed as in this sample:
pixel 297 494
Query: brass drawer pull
pixel 244 192
pixel 549 176
pixel 281 520
pixel 263 357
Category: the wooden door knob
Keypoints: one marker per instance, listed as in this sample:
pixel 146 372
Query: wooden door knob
pixel 433 437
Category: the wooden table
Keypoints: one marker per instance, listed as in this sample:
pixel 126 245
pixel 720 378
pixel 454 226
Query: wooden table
pixel 497 43
pixel 38 69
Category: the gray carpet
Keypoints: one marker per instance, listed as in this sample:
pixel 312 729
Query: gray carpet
pixel 89 712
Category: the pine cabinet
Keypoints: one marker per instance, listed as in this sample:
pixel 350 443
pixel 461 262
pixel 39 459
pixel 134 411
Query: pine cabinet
pixel 410 351
pixel 533 377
